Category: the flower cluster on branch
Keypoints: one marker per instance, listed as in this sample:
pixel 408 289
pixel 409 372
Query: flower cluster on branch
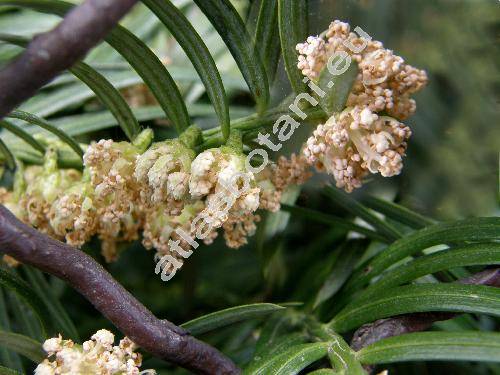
pixel 96 356
pixel 158 192
pixel 367 137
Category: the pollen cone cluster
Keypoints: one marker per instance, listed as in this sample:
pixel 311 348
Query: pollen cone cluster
pixel 96 356
pixel 164 194
pixel 169 195
pixel 367 137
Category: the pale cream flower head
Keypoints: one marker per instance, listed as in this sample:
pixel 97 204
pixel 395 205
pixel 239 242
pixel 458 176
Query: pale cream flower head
pixel 43 185
pixel 366 137
pixel 73 215
pixel 357 142
pixel 384 83
pixel 165 166
pixel 96 356
pixel 221 169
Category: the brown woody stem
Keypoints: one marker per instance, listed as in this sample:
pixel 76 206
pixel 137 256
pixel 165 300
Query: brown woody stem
pixel 399 325
pixel 52 52
pixel 159 337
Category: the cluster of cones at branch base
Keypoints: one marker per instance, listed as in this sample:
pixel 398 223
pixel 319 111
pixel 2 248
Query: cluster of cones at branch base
pixel 127 190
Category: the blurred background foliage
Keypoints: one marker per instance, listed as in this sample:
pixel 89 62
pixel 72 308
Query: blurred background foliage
pixel 451 169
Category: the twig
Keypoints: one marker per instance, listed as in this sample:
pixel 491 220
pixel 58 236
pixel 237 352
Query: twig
pixel 399 325
pixel 52 52
pixel 159 337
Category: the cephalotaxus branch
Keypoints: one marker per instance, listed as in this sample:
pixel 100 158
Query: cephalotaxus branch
pixel 159 337
pixel 50 53
pixel 399 325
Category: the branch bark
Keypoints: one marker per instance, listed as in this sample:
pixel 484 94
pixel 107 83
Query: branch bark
pixel 50 53
pixel 399 325
pixel 159 337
